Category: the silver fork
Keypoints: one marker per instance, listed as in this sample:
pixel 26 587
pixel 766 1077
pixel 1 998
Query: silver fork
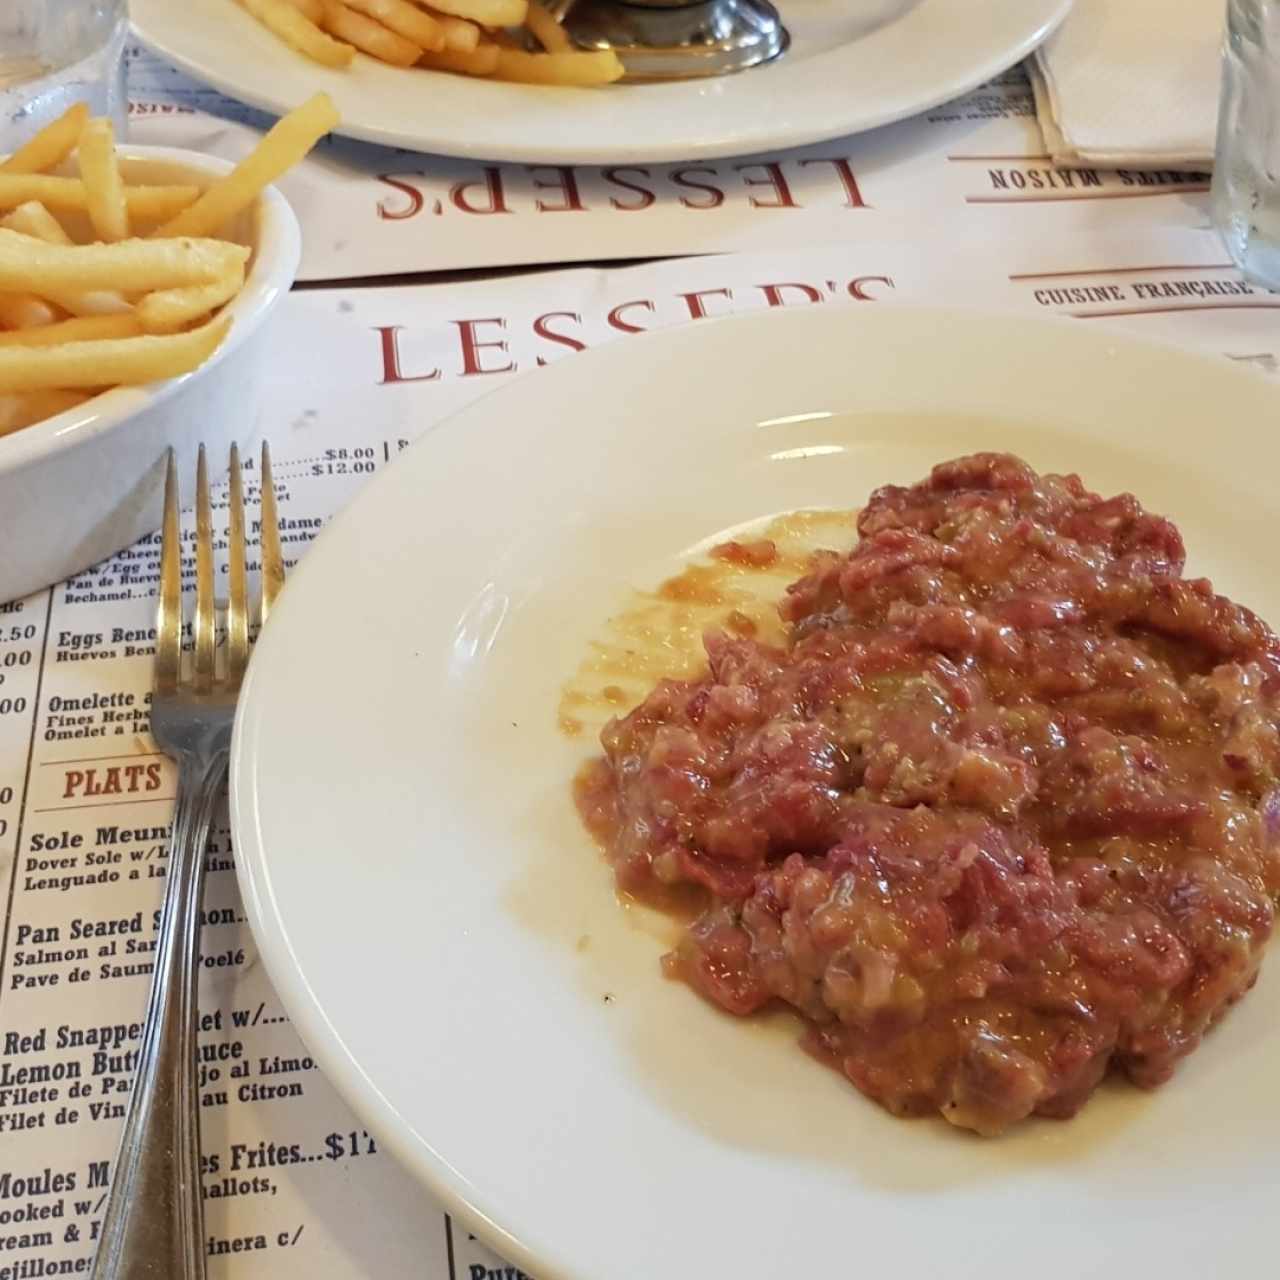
pixel 154 1223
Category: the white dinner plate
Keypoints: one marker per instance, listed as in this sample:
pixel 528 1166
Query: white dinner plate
pixel 853 64
pixel 447 940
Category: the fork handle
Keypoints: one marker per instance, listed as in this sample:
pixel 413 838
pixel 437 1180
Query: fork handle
pixel 154 1224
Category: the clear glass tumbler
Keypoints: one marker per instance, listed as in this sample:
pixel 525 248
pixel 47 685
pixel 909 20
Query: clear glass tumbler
pixel 55 53
pixel 1246 171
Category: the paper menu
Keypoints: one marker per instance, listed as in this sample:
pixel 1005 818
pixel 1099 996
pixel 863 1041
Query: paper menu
pixel 295 1186
pixel 974 167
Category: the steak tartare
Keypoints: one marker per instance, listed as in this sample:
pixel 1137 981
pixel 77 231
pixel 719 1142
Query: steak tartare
pixel 1001 815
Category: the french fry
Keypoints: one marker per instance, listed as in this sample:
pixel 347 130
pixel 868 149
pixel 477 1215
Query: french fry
pixel 481 61
pixel 546 30
pixel 286 142
pixel 95 302
pixel 404 19
pixel 487 13
pixel 25 311
pixel 22 409
pixel 33 219
pixel 459 35
pixel 77 329
pixel 368 36
pixel 109 361
pixel 100 173
pixel 51 145
pixel 169 310
pixel 579 69
pixel 54 192
pixel 296 29
pixel 132 266
pixel 312 10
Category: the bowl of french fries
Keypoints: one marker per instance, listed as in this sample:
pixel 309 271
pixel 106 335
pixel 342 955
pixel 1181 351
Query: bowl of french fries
pixel 135 287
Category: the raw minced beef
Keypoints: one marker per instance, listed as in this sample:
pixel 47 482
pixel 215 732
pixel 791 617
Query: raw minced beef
pixel 1000 817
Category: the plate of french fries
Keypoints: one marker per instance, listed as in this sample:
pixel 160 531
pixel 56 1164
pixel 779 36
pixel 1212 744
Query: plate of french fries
pixel 478 38
pixel 503 80
pixel 134 284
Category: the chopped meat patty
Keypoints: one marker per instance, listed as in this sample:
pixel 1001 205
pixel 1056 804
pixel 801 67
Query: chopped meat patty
pixel 1000 817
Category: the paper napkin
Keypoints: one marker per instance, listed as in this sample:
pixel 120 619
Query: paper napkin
pixel 1132 83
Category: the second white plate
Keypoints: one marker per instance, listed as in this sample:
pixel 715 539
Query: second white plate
pixel 853 65
pixel 447 939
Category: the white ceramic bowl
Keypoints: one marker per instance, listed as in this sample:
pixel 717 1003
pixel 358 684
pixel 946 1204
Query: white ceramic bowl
pixel 77 487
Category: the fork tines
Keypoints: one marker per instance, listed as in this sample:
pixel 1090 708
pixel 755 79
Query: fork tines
pixel 168 662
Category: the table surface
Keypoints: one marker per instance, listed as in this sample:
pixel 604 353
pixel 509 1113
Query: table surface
pixel 425 282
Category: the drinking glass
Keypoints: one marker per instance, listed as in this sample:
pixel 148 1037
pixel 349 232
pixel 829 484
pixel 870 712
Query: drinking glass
pixel 1246 172
pixel 55 53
